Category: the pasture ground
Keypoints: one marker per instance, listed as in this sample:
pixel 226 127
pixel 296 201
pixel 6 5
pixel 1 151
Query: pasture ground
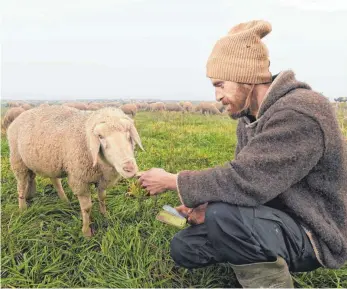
pixel 44 247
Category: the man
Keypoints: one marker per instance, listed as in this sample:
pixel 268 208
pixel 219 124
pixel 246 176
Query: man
pixel 281 204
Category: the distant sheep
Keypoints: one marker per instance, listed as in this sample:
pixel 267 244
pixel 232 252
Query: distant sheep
pixel 157 106
pixel 26 106
pixel 112 104
pixel 187 106
pixel 207 108
pixel 173 107
pixel 94 106
pixel 142 106
pixel 14 104
pixel 10 115
pixel 78 105
pixel 86 147
pixel 129 109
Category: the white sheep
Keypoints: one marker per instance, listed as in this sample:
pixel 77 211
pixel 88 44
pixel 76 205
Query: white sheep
pixel 86 147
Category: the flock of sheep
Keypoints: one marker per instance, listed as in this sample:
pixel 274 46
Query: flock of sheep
pixel 133 108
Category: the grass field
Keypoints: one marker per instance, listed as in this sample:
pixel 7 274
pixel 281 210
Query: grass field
pixel 44 247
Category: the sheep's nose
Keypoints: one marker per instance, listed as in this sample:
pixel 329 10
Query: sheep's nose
pixel 129 167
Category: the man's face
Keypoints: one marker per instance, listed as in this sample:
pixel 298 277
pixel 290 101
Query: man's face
pixel 233 96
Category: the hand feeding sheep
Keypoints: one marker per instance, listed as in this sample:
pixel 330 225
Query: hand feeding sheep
pixel 86 147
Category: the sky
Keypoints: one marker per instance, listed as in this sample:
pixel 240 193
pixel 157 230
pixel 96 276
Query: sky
pixel 157 49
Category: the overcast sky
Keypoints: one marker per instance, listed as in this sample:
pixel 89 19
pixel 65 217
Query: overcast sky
pixel 61 49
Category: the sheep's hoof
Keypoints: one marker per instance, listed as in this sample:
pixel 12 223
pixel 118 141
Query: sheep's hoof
pixel 103 210
pixel 65 200
pixel 22 205
pixel 87 233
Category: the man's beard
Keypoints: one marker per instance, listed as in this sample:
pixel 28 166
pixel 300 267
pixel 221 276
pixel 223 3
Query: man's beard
pixel 239 114
pixel 244 93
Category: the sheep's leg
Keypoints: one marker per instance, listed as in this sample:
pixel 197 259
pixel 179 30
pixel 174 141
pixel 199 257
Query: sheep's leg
pixel 32 185
pixel 102 203
pixel 59 188
pixel 21 172
pixel 86 207
pixel 23 188
pixel 82 191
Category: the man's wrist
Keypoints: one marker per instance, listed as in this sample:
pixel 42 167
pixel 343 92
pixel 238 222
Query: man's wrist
pixel 172 182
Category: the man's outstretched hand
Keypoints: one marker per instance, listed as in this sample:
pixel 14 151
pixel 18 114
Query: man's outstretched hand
pixel 157 181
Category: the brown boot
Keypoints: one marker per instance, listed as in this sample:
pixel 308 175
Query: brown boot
pixel 265 275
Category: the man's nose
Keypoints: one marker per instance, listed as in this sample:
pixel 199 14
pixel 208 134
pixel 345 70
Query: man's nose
pixel 219 96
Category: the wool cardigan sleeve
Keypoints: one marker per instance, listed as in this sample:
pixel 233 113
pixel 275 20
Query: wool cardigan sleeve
pixel 283 153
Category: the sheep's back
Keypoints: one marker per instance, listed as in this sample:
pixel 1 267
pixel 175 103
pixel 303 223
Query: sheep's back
pixel 43 135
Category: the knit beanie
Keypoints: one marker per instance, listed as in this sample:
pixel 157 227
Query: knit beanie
pixel 240 56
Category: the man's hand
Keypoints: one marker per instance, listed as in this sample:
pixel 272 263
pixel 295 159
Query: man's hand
pixel 157 181
pixel 194 216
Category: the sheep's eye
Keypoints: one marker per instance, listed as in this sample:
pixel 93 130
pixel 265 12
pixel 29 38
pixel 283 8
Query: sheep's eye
pixel 100 136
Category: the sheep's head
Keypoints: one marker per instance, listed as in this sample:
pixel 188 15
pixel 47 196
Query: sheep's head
pixel 113 140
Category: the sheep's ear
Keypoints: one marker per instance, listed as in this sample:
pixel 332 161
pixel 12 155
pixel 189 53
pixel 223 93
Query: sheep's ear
pixel 94 145
pixel 135 136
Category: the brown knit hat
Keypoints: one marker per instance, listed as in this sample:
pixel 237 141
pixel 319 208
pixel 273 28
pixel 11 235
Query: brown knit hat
pixel 241 56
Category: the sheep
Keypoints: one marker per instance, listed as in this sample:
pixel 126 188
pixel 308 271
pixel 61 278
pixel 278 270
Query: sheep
pixel 94 106
pixel 141 106
pixel 86 147
pixel 144 106
pixel 157 106
pixel 151 106
pixel 26 106
pixel 78 105
pixel 14 104
pixel 112 104
pixel 129 108
pixel 207 108
pixel 10 115
pixel 187 106
pixel 173 107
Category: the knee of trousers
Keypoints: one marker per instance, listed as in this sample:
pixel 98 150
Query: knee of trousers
pixel 226 220
pixel 178 252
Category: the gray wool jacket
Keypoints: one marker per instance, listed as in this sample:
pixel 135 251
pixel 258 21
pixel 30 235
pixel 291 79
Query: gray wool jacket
pixel 293 158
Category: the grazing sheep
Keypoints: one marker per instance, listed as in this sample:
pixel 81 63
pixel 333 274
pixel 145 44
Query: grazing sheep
pixel 112 104
pixel 138 105
pixel 78 105
pixel 10 116
pixel 86 147
pixel 13 104
pixel 129 108
pixel 187 106
pixel 151 106
pixel 207 108
pixel 26 106
pixel 94 106
pixel 173 107
pixel 142 106
pixel 157 106
pixel 145 106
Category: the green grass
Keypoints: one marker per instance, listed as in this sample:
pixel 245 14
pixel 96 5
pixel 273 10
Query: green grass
pixel 44 247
